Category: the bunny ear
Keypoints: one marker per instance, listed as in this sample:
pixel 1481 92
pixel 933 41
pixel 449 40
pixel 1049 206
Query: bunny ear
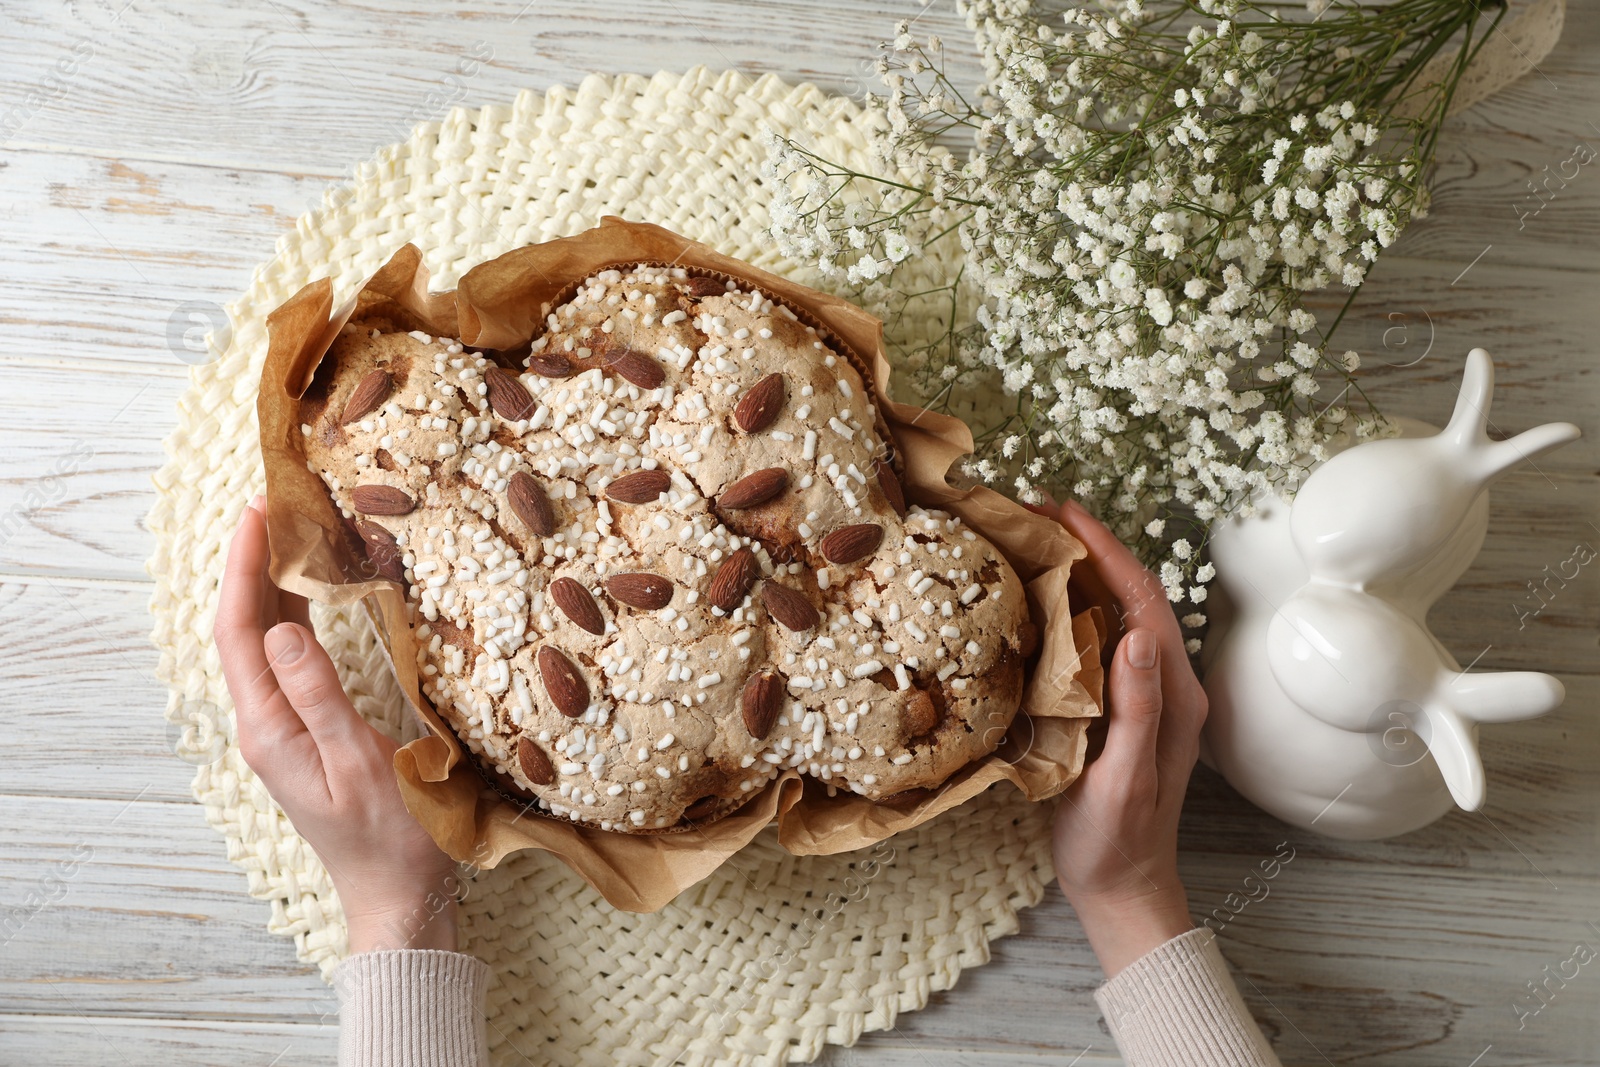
pixel 1449 721
pixel 1503 696
pixel 1469 420
pixel 1501 456
pixel 1469 423
pixel 1453 744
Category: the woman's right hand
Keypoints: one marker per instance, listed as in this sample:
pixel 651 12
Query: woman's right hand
pixel 330 771
pixel 1116 830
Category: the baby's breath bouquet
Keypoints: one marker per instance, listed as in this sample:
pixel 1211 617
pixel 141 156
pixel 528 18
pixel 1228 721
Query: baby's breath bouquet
pixel 1143 195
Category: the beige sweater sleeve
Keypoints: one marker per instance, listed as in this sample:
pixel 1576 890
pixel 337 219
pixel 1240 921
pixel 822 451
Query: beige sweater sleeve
pixel 1177 1006
pixel 412 1008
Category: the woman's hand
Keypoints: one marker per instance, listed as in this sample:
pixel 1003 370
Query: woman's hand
pixel 1116 831
pixel 330 771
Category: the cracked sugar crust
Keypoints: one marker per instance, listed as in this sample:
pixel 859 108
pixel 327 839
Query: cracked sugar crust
pixel 912 670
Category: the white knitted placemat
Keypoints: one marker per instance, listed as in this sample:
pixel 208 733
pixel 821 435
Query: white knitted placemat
pixel 773 955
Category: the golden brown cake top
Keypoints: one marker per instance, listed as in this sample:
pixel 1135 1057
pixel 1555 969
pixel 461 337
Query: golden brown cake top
pixel 665 559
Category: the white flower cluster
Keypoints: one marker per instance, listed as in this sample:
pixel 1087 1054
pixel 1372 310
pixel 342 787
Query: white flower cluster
pixel 1145 206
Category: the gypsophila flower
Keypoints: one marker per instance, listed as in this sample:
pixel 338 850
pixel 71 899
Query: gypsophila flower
pixel 1146 203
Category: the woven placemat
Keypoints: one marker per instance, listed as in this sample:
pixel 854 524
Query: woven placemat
pixel 773 955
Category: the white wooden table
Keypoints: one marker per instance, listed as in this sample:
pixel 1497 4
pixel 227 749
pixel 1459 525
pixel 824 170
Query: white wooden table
pixel 175 141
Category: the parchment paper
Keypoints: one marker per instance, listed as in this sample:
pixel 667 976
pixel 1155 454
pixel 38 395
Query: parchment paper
pixel 501 304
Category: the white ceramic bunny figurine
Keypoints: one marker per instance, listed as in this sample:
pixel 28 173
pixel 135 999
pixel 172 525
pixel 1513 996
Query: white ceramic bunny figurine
pixel 1325 682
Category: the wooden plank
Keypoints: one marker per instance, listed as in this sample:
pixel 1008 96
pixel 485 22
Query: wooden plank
pixel 346 83
pixel 1362 958
pixel 1413 330
pixel 310 87
pixel 349 87
pixel 1539 820
pixel 1507 172
pixel 74 1041
pixel 173 234
pixel 1391 964
pixel 1528 602
pixel 111 254
pixel 76 485
pixel 79 1041
pixel 132 908
pixel 78 667
pixel 1492 612
pixel 894 1049
pixel 73 652
pixel 1524 317
pixel 109 258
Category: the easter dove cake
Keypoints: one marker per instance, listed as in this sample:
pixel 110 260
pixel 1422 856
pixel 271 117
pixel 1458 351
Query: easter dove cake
pixel 662 555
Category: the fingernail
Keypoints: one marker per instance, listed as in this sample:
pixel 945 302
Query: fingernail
pixel 260 503
pixel 284 644
pixel 1141 650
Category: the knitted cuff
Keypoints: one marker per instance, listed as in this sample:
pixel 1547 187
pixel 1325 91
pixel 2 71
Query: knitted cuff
pixel 1178 1004
pixel 411 1008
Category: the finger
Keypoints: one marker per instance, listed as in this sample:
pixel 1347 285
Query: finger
pixel 1138 595
pixel 1135 705
pixel 308 678
pixel 246 607
pixel 1182 718
pixel 290 606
